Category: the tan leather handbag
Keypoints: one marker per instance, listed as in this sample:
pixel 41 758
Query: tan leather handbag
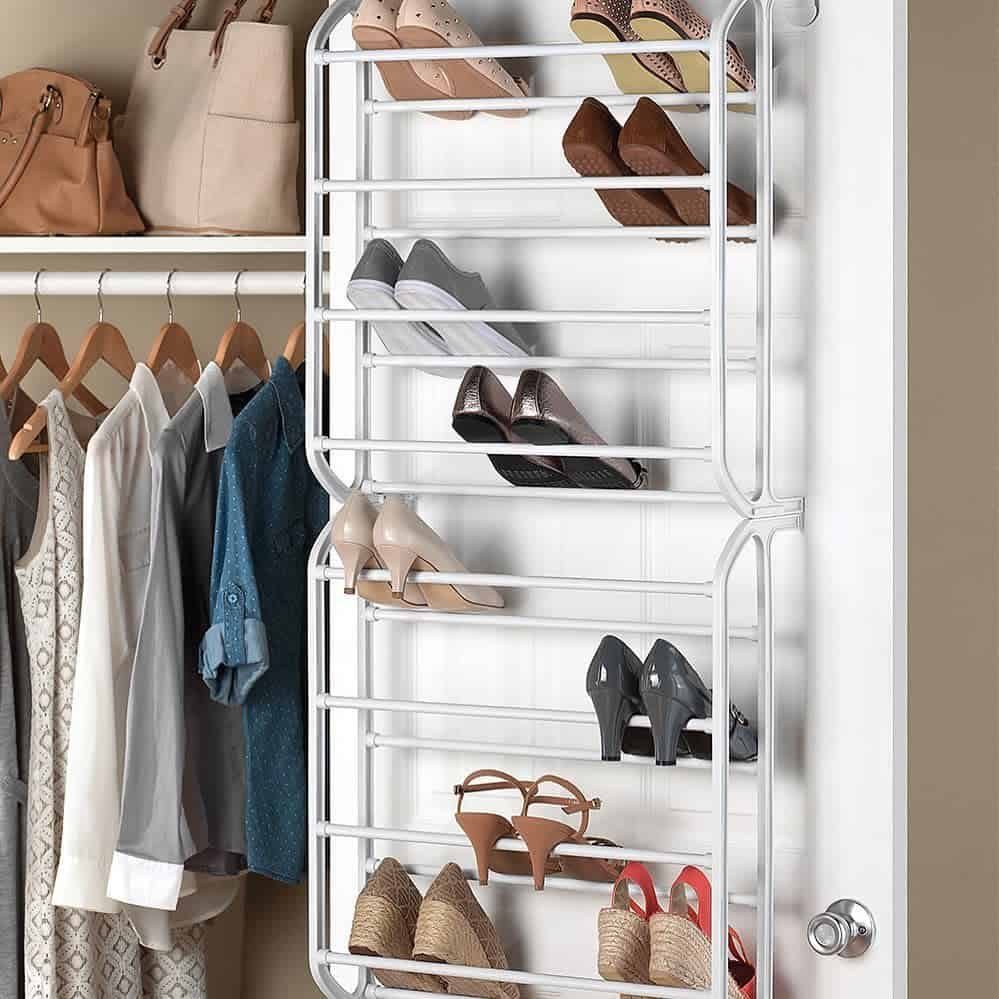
pixel 209 142
pixel 58 171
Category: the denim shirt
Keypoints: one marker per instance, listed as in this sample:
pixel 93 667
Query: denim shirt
pixel 270 512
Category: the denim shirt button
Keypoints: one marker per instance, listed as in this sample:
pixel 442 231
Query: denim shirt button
pixel 232 599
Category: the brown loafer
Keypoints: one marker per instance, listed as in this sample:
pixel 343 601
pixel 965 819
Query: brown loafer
pixel 651 146
pixel 591 147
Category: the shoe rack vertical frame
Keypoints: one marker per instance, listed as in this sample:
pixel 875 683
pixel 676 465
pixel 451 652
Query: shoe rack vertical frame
pixel 763 514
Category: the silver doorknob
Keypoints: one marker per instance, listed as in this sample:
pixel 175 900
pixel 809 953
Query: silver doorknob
pixel 845 929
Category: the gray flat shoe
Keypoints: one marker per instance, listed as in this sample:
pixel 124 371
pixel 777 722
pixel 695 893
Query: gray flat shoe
pixel 372 286
pixel 429 281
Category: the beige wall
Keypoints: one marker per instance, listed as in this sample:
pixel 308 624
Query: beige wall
pixel 953 500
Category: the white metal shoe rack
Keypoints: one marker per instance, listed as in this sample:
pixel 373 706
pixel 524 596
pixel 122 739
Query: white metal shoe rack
pixel 348 158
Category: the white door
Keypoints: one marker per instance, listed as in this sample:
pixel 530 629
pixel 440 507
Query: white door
pixel 839 585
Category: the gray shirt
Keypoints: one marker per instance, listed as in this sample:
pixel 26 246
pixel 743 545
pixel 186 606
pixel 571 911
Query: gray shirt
pixel 183 794
pixel 18 507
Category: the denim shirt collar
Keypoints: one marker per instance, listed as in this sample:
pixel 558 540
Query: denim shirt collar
pixel 284 381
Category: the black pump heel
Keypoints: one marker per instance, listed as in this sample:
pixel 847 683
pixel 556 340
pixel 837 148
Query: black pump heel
pixel 673 694
pixel 612 683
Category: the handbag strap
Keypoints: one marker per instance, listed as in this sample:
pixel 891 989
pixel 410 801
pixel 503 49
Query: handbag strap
pixel 180 16
pixel 39 122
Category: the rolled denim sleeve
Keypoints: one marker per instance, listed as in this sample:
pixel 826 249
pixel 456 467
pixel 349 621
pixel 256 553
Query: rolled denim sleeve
pixel 234 651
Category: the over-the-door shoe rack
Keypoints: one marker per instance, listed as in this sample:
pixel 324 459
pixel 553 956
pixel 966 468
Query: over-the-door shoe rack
pixel 344 233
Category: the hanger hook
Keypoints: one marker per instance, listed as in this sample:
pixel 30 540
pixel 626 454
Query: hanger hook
pixel 100 294
pixel 169 297
pixel 38 301
pixel 235 295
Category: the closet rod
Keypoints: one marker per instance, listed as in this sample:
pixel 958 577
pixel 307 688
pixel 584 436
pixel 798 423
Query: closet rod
pixel 83 284
pixel 507 621
pixel 546 103
pixel 480 52
pixel 429 872
pixel 476 974
pixel 699 182
pixel 547 450
pixel 378 488
pixel 508 582
pixel 684 234
pixel 674 317
pixel 553 363
pixel 541 715
pixel 331 830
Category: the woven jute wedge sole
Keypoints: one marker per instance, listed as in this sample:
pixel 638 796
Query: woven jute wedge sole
pixel 681 955
pixel 625 948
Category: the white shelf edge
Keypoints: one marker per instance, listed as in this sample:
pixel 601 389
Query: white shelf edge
pixel 150 244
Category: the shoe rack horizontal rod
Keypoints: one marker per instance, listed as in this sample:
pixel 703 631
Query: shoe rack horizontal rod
pixel 83 284
pixel 512 51
pixel 429 872
pixel 551 363
pixel 675 317
pixel 537 450
pixel 379 488
pixel 508 582
pixel 546 103
pixel 670 233
pixel 494 750
pixel 699 182
pixel 331 830
pixel 523 621
pixel 331 703
pixel 477 974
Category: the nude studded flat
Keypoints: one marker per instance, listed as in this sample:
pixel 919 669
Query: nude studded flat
pixel 434 24
pixel 375 28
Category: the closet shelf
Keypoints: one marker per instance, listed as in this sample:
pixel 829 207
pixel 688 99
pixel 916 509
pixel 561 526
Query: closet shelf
pixel 699 182
pixel 736 362
pixel 508 582
pixel 536 450
pixel 330 830
pixel 173 245
pixel 477 974
pixel 673 317
pixel 506 621
pixel 378 488
pixel 672 233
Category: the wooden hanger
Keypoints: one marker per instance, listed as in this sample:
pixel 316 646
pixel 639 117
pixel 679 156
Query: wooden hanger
pixel 294 350
pixel 103 342
pixel 241 342
pixel 174 344
pixel 40 342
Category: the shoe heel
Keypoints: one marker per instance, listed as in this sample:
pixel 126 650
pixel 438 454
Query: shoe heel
pixel 613 711
pixel 669 717
pixel 399 563
pixel 355 559
pixel 541 837
pixel 483 831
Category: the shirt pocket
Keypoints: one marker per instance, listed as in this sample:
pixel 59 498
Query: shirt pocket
pixel 290 539
pixel 133 549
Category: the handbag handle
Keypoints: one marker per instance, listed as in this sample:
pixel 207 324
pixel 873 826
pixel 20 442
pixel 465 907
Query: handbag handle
pixel 180 16
pixel 38 123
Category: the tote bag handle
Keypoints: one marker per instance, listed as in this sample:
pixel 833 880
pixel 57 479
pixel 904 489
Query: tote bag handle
pixel 180 16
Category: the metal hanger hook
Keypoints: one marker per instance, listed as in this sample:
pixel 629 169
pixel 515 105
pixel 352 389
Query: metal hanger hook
pixel 38 301
pixel 100 295
pixel 235 295
pixel 169 297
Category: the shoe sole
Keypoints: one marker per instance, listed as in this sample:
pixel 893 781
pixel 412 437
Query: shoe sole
pixel 461 338
pixel 587 473
pixel 695 67
pixel 518 471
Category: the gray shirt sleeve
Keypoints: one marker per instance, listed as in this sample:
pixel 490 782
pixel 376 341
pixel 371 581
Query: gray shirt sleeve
pixel 154 839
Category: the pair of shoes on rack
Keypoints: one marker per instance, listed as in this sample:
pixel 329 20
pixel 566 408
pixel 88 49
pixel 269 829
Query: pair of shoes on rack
pixel 446 926
pixel 648 145
pixel 539 413
pixel 645 945
pixel 670 692
pixel 432 24
pixel 656 21
pixel 540 835
pixel 398 540
pixel 429 281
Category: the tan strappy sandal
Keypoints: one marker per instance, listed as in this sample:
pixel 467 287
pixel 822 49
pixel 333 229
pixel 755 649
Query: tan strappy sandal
pixel 434 24
pixel 485 829
pixel 374 29
pixel 543 835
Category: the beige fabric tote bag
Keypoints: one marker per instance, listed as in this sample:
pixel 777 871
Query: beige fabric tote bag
pixel 209 142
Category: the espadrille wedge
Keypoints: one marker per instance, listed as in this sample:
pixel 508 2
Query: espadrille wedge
pixel 454 929
pixel 385 919
pixel 623 930
pixel 681 942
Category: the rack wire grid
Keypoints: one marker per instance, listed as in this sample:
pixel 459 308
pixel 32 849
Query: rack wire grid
pixel 763 514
